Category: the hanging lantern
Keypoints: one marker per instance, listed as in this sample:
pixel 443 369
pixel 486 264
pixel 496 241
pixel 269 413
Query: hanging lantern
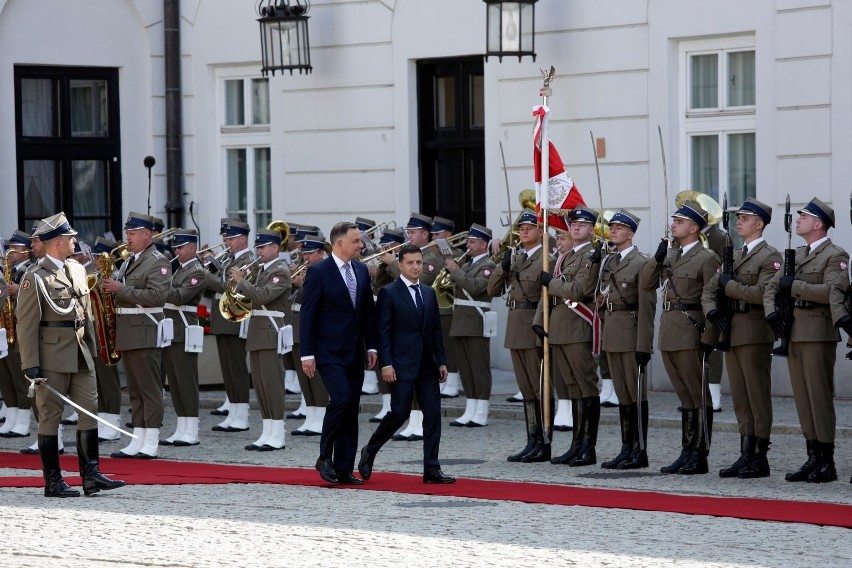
pixel 284 36
pixel 510 28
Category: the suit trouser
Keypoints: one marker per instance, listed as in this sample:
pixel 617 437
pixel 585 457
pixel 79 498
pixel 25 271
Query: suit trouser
pixel 288 359
pixel 109 387
pixel 750 375
pixel 474 359
pixel 81 387
pixel 182 370
pixel 142 367
pixel 811 367
pixel 339 440
pixel 578 368
pixel 428 392
pixel 232 358
pixel 312 389
pixel 625 375
pixel 527 365
pixel 449 344
pixel 267 370
pixel 684 370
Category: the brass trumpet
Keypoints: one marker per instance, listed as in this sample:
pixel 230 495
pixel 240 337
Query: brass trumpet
pixel 371 232
pixel 443 286
pixel 234 306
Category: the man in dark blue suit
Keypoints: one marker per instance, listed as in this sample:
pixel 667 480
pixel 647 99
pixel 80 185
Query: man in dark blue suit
pixel 411 350
pixel 338 336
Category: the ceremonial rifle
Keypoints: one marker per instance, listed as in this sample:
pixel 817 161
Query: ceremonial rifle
pixel 723 303
pixel 783 300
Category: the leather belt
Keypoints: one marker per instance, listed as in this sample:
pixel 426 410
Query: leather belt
pixel 134 311
pixel 621 307
pixel 515 305
pixel 743 307
pixel 76 324
pixel 269 313
pixel 669 306
pixel 807 305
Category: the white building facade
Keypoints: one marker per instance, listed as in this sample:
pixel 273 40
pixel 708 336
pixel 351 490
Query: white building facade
pixel 401 113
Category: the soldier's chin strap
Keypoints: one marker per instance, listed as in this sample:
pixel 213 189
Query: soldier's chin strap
pixel 42 382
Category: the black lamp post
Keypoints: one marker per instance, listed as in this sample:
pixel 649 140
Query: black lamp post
pixel 284 36
pixel 510 28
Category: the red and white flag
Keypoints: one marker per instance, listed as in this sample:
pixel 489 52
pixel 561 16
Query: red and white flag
pixel 560 194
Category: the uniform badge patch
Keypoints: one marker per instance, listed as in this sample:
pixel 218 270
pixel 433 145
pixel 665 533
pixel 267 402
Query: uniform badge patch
pixel 276 279
pixel 843 265
pixel 487 272
pixel 430 268
pixel 193 281
pixel 26 285
pixel 776 265
pixel 164 270
pixel 624 284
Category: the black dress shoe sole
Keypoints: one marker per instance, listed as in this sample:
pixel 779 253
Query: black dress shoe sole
pixel 449 396
pixel 297 433
pixel 311 433
pixel 182 444
pixel 68 422
pixel 219 412
pixel 228 429
pixel 13 435
pixel 514 399
pixel 288 391
pixel 375 420
pixel 92 491
pixel 439 481
pixel 293 416
pixel 717 410
pixel 268 448
pixel 252 448
pixel 165 443
pixel 63 495
pixel 351 481
pixel 121 456
pixel 29 452
pixel 141 456
pixel 473 424
pixel 563 428
pixel 458 424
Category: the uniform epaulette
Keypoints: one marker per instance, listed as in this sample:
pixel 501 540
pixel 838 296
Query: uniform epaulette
pixel 158 254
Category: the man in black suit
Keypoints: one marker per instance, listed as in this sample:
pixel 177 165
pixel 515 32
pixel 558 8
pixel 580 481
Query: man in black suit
pixel 338 337
pixel 411 350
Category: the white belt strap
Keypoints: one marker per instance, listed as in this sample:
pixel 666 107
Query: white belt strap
pixel 473 303
pixel 268 313
pixel 139 310
pixel 190 309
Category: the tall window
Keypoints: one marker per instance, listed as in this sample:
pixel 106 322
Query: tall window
pixel 245 141
pixel 68 147
pixel 718 117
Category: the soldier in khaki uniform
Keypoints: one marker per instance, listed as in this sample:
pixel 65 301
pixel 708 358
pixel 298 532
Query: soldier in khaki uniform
pixel 519 278
pixel 628 337
pixel 470 281
pixel 313 390
pixel 232 348
pixel 57 343
pixel 418 229
pixel 818 291
pixel 684 341
pixel 188 284
pixel 749 360
pixel 109 385
pixel 574 330
pixel 269 293
pixel 563 420
pixel 443 228
pixel 140 294
pixel 13 385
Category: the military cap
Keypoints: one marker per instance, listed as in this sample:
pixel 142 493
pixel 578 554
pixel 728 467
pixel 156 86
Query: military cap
pixel 184 237
pixel 527 217
pixel 440 224
pixel 392 236
pixel 626 218
pixel 266 237
pixel 103 244
pixel 752 206
pixel 692 211
pixel 234 228
pixel 138 221
pixel 583 214
pixel 20 239
pixel 418 221
pixel 159 225
pixel 52 227
pixel 364 224
pixel 478 231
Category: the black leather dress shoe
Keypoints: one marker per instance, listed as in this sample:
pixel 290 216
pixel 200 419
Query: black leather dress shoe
pixel 473 424
pixel 437 476
pixel 121 455
pixel 97 482
pixel 128 424
pixel 375 420
pixel 365 466
pixel 32 451
pixel 295 416
pixel 563 428
pixel 403 438
pixel 165 443
pixel 217 412
pixel 346 478
pixel 449 395
pixel 58 488
pixel 13 435
pixel 252 447
pixel 608 404
pixel 268 448
pixel 326 470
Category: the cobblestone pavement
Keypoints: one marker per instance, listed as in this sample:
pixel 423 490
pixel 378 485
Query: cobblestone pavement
pixel 268 525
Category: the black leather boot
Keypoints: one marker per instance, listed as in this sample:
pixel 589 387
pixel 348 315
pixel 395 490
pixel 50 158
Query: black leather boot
pixel 540 451
pixel 627 418
pixel 803 472
pixel 87 456
pixel 591 420
pixel 686 422
pixel 825 470
pixel 759 464
pixel 54 485
pixel 529 419
pixel 638 457
pixel 747 446
pixel 700 448
pixel 576 433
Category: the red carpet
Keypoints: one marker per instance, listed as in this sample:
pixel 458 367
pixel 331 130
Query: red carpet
pixel 162 472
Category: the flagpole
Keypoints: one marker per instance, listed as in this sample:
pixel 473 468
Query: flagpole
pixel 545 394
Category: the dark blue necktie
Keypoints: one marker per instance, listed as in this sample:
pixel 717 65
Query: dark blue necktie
pixel 418 301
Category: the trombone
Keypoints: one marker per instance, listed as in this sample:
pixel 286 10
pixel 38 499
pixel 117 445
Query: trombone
pixel 371 232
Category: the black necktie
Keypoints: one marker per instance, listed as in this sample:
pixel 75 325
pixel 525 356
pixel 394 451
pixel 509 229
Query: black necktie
pixel 807 250
pixel 418 301
pixel 616 260
pixel 745 250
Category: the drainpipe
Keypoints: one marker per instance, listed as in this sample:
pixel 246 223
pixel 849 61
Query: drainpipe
pixel 174 133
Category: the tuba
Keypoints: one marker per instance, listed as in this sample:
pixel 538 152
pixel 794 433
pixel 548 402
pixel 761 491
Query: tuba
pixel 714 210
pixel 103 308
pixel 283 228
pixel 234 306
